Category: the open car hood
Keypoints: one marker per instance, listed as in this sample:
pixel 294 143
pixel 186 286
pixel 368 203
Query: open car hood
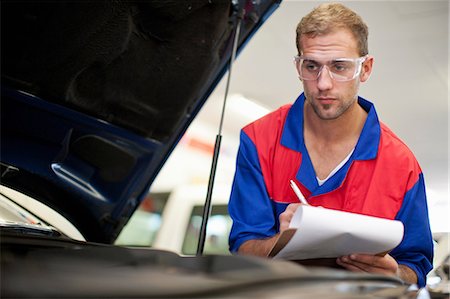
pixel 95 96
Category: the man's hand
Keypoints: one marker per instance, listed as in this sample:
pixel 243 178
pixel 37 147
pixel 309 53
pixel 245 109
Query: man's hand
pixel 262 247
pixel 385 265
pixel 369 263
pixel 257 247
pixel 286 217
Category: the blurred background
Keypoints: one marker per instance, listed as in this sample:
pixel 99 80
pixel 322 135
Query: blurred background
pixel 409 87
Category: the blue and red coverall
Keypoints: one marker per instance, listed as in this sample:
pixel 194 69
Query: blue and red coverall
pixel 382 178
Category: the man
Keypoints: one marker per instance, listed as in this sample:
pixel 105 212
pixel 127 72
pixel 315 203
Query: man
pixel 332 145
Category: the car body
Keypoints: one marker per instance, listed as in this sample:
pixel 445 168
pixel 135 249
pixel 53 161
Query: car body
pixel 95 96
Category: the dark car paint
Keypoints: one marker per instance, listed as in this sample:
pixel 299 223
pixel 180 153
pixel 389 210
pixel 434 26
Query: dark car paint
pixel 70 269
pixel 96 94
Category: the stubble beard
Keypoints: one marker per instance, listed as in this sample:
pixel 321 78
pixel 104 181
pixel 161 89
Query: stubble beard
pixel 325 112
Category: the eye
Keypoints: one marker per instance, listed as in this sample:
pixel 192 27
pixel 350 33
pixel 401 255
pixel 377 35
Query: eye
pixel 341 66
pixel 310 65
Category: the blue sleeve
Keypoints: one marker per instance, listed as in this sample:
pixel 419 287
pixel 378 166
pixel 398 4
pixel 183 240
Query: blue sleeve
pixel 416 248
pixel 249 206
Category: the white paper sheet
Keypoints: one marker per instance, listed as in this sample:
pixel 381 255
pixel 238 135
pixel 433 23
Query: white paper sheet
pixel 326 233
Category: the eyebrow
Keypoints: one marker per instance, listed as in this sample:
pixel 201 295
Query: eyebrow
pixel 332 59
pixel 338 59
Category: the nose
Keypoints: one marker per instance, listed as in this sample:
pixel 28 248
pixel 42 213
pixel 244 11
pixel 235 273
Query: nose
pixel 324 81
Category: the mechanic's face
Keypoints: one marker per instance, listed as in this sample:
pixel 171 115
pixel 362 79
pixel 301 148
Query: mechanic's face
pixel 329 97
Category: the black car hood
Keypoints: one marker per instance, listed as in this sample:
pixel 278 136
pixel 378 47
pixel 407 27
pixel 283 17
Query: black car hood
pixel 95 95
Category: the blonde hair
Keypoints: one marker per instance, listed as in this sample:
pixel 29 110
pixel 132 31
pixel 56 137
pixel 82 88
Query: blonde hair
pixel 329 17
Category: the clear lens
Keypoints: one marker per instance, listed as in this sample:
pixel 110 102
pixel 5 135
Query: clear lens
pixel 342 69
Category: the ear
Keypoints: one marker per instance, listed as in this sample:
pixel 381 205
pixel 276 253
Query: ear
pixel 366 69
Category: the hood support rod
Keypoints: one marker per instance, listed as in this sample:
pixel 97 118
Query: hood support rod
pixel 207 206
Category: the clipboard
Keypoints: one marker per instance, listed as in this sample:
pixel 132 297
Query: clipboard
pixel 318 235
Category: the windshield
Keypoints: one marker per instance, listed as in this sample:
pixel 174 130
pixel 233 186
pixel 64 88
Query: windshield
pixel 36 216
pixel 12 212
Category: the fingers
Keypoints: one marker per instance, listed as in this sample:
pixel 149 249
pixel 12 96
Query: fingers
pixel 386 262
pixel 366 260
pixel 286 217
pixel 357 266
pixel 369 263
pixel 342 262
pixel 292 208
